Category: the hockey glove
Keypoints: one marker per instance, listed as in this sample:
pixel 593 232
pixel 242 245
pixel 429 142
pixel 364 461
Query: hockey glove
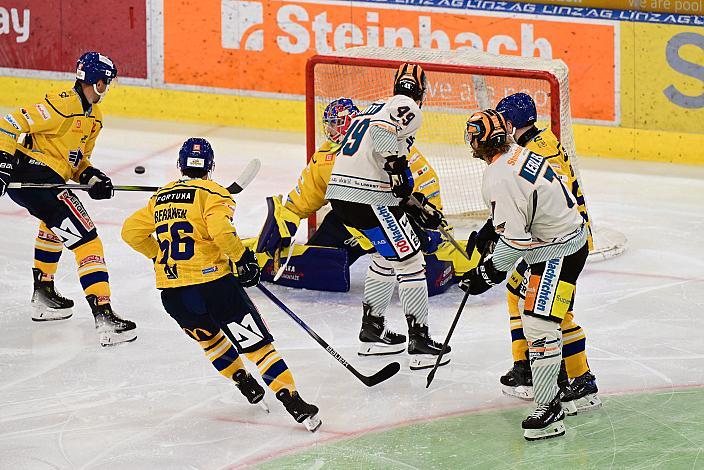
pixel 279 227
pixel 400 175
pixel 483 240
pixel 7 167
pixel 248 271
pixel 423 211
pixel 482 278
pixel 101 184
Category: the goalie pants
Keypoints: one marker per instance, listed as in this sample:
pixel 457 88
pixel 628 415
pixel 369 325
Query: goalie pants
pixel 398 258
pixel 222 318
pixel 63 222
pixel 549 296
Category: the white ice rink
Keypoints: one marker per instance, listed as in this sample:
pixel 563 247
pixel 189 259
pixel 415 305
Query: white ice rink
pixel 158 403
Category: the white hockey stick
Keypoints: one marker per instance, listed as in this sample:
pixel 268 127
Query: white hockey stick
pixel 281 270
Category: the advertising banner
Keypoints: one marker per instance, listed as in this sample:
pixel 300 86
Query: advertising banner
pixel 695 7
pixel 49 35
pixel 263 45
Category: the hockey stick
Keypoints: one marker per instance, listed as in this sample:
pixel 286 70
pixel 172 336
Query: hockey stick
pixel 431 375
pixel 236 187
pixel 387 372
pixel 280 271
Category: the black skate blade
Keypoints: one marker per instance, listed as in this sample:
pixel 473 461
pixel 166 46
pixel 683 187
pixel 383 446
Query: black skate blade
pixel 109 345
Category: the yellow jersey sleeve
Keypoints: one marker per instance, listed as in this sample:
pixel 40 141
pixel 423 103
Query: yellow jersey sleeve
pixel 309 194
pixel 27 120
pixel 137 232
pixel 218 213
pixel 425 179
pixel 546 145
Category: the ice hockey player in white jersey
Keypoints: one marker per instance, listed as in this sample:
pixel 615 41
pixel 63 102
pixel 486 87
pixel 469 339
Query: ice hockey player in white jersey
pixel 369 189
pixel 537 219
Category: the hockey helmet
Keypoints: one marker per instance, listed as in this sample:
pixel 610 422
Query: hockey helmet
pixel 94 66
pixel 337 118
pixel 196 153
pixel 410 80
pixel 486 127
pixel 519 108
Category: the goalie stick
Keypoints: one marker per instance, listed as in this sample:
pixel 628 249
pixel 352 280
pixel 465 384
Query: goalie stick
pixel 241 182
pixel 280 271
pixel 387 372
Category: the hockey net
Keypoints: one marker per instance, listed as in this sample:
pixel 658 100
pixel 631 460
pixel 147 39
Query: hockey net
pixel 459 83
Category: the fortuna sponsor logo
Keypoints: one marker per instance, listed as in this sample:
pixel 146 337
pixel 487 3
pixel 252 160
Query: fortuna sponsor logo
pixel 43 111
pixel 397 236
pixel 547 284
pixel 12 122
pixel 179 196
pixel 169 213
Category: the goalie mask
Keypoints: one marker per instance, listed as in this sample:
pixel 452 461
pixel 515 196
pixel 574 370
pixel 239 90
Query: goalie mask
pixel 337 118
pixel 486 128
pixel 410 80
pixel 196 154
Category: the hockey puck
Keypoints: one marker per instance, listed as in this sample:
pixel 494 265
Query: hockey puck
pixel 139 169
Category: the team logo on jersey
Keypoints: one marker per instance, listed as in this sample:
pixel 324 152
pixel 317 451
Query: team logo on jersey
pixel 75 157
pixel 43 112
pixel 241 25
pixel 27 117
pixel 171 271
pixel 78 123
pixel 9 118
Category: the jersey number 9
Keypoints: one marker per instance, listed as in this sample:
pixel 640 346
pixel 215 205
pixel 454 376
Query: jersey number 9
pixel 174 241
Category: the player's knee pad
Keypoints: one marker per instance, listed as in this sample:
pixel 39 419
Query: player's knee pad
pixel 381 269
pixel 544 339
pixel 410 269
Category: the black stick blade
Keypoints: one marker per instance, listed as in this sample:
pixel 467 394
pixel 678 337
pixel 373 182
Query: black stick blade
pixel 384 374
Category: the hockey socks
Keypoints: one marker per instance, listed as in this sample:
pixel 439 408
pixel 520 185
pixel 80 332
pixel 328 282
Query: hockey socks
pixel 220 351
pixel 47 252
pixel 92 271
pixel 272 368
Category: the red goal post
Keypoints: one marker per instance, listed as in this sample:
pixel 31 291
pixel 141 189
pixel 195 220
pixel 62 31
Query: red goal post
pixel 460 82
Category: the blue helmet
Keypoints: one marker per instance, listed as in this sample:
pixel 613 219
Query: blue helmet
pixel 93 66
pixel 518 108
pixel 337 118
pixel 196 153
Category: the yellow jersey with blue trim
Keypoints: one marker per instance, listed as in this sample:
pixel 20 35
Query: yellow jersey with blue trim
pixel 195 236
pixel 59 132
pixel 544 143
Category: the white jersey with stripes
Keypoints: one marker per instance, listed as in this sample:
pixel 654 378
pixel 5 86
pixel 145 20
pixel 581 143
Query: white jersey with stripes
pixel 385 128
pixel 535 215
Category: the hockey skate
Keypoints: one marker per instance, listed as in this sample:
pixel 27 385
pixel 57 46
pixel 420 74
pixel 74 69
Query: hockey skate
pixel 301 411
pixel 545 422
pixel 585 392
pixel 250 388
pixel 567 396
pixel 111 328
pixel 47 303
pixel 422 349
pixel 376 339
pixel 518 381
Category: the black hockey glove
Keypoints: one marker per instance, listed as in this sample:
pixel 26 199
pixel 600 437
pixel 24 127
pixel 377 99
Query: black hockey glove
pixel 248 271
pixel 7 167
pixel 483 240
pixel 482 278
pixel 400 174
pixel 101 184
pixel 423 211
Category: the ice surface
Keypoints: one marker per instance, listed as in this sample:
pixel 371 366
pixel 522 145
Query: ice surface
pixel 157 403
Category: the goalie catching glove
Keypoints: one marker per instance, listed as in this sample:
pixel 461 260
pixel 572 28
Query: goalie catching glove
pixel 400 175
pixel 100 183
pixel 279 227
pixel 482 278
pixel 248 271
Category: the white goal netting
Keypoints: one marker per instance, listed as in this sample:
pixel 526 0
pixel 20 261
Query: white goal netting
pixel 460 82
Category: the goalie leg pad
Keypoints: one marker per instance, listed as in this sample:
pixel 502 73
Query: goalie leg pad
pixel 312 267
pixel 279 227
pixel 439 274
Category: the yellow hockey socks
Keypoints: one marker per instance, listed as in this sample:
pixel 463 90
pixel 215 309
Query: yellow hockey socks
pixel 272 368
